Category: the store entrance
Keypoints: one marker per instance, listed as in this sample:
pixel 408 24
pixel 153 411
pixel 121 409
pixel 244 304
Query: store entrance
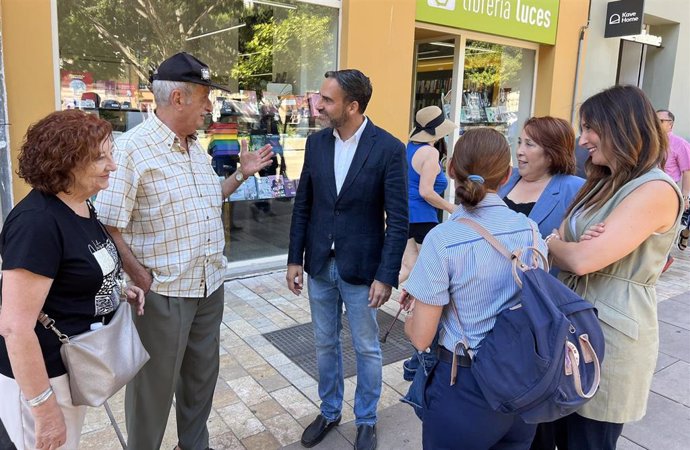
pixel 434 74
pixel 477 82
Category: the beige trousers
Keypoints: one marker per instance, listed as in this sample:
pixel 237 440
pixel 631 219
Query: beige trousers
pixel 16 415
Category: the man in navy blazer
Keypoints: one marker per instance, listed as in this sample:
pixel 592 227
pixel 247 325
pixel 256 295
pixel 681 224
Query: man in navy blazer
pixel 349 230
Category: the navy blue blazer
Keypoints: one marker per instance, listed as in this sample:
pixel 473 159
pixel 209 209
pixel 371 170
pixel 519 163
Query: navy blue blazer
pixel 549 211
pixel 367 221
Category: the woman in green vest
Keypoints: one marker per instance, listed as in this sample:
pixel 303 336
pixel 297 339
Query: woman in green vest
pixel 639 208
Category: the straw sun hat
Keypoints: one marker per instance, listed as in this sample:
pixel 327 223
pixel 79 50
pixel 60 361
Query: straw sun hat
pixel 431 125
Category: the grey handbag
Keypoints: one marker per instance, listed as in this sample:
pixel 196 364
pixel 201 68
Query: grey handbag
pixel 102 361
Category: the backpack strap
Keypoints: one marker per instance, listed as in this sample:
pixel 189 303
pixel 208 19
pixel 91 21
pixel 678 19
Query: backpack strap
pixel 514 256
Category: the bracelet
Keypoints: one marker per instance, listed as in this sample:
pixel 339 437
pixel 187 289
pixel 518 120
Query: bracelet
pixel 552 236
pixel 41 398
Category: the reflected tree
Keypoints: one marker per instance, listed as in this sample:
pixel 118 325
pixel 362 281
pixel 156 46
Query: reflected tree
pixel 111 37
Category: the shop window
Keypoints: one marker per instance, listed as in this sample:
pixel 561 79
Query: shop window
pixel 497 87
pixel 271 54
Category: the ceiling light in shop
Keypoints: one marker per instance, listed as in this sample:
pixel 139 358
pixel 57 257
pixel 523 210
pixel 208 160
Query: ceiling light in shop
pixel 443 44
pixel 480 50
pixel 216 32
pixel 250 3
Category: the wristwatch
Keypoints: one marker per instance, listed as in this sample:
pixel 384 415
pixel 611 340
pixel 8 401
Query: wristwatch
pixel 239 176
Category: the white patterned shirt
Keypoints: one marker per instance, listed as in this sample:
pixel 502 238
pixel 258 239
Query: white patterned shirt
pixel 167 203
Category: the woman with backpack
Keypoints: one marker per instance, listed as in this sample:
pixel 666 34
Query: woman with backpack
pixel 640 208
pixel 460 276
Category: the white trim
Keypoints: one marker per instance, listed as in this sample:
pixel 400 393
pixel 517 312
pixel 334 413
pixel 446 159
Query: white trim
pixel 534 83
pixel 456 101
pixel 477 36
pixel 56 54
pixel 331 3
pixel 252 266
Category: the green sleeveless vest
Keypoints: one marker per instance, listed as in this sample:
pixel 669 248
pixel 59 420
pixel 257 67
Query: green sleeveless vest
pixel 625 296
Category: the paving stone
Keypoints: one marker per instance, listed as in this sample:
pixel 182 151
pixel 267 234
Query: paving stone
pixel 675 313
pixel 241 420
pixel 312 393
pixel 389 397
pixel 261 441
pixel 267 350
pixel 674 341
pixel 303 382
pixel 266 410
pixel 285 428
pixel 249 391
pixel 216 425
pixel 625 444
pixel 226 441
pixel 673 382
pixel 103 439
pixel 295 402
pixel 683 298
pixel 350 387
pixel 663 360
pixel 666 425
pixel 278 360
pixel 224 396
pixel 397 428
pixel 262 371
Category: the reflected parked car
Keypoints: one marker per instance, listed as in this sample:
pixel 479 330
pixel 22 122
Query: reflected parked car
pixel 110 104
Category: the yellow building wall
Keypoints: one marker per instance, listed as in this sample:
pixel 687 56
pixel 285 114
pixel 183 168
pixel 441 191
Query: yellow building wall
pixel 377 37
pixel 557 64
pixel 28 59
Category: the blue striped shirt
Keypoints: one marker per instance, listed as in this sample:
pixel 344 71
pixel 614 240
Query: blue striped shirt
pixel 456 261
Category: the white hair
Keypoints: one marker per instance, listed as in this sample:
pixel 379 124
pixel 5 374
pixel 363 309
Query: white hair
pixel 162 90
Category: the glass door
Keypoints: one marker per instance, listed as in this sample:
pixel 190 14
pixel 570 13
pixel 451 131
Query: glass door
pixel 497 87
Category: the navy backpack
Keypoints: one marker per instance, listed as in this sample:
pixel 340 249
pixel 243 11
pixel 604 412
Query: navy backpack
pixel 542 358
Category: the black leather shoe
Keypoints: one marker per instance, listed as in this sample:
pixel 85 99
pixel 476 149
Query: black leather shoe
pixel 317 430
pixel 366 437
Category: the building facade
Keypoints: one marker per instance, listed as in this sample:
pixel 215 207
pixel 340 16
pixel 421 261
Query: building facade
pixel 661 71
pixel 485 65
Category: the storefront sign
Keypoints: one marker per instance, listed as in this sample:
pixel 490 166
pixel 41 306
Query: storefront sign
pixel 530 20
pixel 624 18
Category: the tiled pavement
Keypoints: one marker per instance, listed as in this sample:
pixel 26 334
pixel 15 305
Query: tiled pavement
pixel 263 400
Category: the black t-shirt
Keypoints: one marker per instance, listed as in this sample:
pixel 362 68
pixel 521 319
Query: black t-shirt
pixel 44 236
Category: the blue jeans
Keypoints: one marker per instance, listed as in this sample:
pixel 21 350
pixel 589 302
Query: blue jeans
pixel 327 293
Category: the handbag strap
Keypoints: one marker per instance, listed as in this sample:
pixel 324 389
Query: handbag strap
pixel 49 324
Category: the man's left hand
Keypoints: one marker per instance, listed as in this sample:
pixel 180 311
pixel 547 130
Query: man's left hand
pixel 252 162
pixel 379 293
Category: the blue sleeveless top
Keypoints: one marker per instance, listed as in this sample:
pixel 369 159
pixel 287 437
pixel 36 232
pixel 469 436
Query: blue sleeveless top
pixel 420 209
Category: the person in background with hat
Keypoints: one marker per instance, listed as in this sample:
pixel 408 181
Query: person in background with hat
pixel 426 181
pixel 163 209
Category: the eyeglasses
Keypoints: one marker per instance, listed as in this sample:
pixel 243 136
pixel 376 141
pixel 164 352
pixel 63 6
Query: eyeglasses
pixel 666 120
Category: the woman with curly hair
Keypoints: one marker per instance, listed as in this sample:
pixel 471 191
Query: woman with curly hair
pixel 56 258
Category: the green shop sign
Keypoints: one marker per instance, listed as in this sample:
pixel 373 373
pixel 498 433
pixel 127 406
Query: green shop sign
pixel 530 20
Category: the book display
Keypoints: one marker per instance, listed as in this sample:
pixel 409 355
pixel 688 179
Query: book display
pixel 431 87
pixel 264 188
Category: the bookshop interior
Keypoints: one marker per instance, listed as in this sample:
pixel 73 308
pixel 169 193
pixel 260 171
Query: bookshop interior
pixel 494 81
pixel 272 55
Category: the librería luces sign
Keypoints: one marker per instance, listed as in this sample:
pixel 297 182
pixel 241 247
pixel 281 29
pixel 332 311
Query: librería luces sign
pixel 530 20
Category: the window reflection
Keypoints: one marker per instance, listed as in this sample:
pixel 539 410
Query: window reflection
pixel 497 87
pixel 271 54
